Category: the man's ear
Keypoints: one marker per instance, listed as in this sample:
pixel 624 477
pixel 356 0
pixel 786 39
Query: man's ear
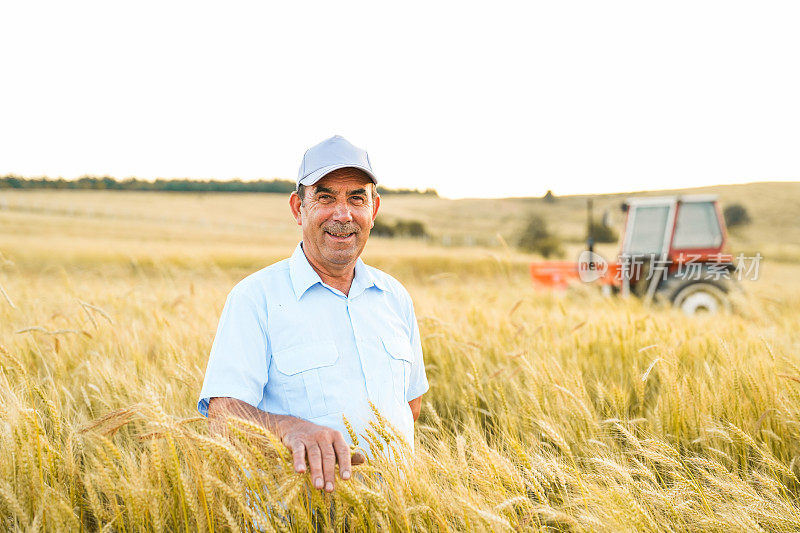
pixel 375 205
pixel 294 205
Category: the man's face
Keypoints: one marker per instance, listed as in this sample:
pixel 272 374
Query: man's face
pixel 336 214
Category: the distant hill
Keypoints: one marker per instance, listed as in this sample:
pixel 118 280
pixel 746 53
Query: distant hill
pixel 774 208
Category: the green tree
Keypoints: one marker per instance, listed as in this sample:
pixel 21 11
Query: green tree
pixel 382 229
pixel 536 237
pixel 736 215
pixel 603 233
pixel 410 228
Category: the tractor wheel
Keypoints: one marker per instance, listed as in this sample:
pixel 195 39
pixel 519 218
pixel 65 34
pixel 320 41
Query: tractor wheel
pixel 701 297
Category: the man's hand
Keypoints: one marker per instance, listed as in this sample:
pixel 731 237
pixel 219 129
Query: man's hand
pixel 416 406
pixel 322 446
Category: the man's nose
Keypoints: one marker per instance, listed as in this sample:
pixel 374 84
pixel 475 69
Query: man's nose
pixel 341 212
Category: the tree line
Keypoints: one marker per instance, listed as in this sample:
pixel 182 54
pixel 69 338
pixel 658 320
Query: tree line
pixel 176 185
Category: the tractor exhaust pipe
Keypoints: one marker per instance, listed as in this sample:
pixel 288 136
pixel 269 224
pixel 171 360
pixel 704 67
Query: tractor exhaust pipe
pixel 589 224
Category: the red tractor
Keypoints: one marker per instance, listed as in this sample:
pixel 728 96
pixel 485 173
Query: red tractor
pixel 672 250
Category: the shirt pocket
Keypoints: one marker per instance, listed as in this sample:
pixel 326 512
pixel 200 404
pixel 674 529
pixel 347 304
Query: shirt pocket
pixel 301 370
pixel 400 358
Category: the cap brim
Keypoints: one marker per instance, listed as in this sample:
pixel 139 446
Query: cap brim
pixel 318 174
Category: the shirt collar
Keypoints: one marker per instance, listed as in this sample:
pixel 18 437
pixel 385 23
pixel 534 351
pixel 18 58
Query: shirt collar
pixel 304 276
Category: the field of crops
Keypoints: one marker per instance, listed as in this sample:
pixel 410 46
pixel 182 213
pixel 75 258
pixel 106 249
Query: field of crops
pixel 565 411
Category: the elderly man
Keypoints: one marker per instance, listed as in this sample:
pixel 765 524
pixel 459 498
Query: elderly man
pixel 314 338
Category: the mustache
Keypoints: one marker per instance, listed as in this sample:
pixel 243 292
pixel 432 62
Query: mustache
pixel 342 227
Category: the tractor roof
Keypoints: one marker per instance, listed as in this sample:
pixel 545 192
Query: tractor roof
pixel 670 200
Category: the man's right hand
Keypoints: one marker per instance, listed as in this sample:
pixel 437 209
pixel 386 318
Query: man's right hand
pixel 323 447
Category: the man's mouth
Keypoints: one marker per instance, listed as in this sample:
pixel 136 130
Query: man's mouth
pixel 339 236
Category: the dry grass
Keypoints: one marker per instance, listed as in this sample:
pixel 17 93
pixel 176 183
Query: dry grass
pixel 568 412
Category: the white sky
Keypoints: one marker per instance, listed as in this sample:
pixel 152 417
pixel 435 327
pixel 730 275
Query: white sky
pixel 490 99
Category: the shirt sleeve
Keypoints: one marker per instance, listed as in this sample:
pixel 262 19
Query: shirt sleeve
pixel 418 384
pixel 240 355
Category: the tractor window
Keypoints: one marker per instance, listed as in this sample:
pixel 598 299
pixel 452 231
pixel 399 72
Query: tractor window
pixel 647 229
pixel 697 226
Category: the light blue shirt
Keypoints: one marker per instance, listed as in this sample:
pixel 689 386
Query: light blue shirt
pixel 290 344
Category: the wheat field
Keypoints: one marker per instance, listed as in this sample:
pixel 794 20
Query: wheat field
pixel 547 411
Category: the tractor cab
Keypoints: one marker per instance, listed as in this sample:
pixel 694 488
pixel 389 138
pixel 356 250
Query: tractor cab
pixel 671 227
pixel 671 240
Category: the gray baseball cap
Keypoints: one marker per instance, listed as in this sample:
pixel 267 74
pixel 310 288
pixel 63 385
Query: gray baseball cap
pixel 329 155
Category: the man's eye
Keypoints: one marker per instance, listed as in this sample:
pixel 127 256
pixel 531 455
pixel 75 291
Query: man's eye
pixel 324 197
pixel 358 199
